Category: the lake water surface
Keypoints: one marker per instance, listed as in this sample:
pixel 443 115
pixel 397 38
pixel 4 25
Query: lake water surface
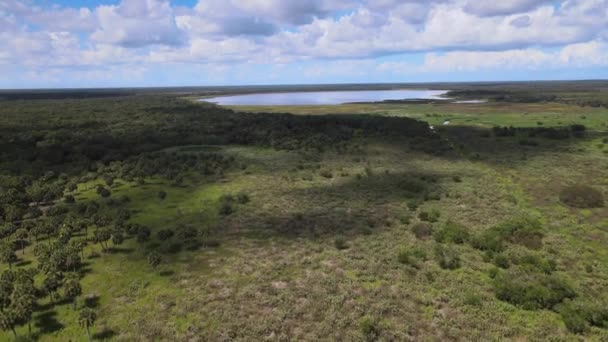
pixel 324 97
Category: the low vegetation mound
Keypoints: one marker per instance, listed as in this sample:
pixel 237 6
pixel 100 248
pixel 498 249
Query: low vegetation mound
pixel 532 290
pixel 582 196
pixel 523 231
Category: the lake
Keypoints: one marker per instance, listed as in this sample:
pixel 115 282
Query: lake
pixel 324 97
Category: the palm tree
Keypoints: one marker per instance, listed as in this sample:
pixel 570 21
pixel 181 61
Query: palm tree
pixel 7 253
pixel 72 289
pixel 50 284
pixel 7 321
pixel 86 319
pixel 154 259
pixel 22 236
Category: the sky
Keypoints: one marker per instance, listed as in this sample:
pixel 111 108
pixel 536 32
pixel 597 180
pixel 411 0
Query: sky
pixel 140 43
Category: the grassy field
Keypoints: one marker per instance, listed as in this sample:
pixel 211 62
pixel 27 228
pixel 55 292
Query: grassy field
pixel 326 246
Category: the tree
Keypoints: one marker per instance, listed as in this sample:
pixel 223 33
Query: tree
pixel 72 288
pixel 7 321
pixel 7 253
pixel 86 319
pixel 102 236
pixel 51 284
pixel 117 237
pixel 154 259
pixel 22 235
pixel 103 191
pixel 143 234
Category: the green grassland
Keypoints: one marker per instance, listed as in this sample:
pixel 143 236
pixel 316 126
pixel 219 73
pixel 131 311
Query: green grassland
pixel 325 246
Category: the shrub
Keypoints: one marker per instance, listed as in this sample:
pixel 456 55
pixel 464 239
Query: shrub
pixel 405 219
pixel 537 263
pixel 413 205
pixel 411 257
pixel 582 196
pixel 422 230
pixel 242 198
pixel 69 199
pixel 501 261
pixel 457 179
pixel 578 314
pixel 226 209
pixel 370 328
pixel 340 243
pixel 162 195
pixel 432 216
pixel 103 191
pixel 413 186
pixel 447 257
pixel 326 174
pixel 165 234
pixel 451 232
pixel 523 231
pixel 531 290
pixel 473 299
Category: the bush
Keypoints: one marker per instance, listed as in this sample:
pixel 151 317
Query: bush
pixel 242 198
pixel 578 315
pixel 413 186
pixel 582 196
pixel 473 299
pixel 523 231
pixel 447 257
pixel 340 243
pixel 432 216
pixel 413 205
pixel 165 234
pixel 370 328
pixel 422 230
pixel 501 261
pixel 326 174
pixel 162 195
pixel 531 290
pixel 537 263
pixel 411 257
pixel 103 191
pixel 451 232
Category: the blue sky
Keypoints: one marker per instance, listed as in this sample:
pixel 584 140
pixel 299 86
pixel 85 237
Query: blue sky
pixel 115 43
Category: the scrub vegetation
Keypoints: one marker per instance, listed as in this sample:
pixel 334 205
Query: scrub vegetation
pixel 151 217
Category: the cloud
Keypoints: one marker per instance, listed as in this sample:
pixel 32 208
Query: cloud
pixel 588 54
pixel 504 7
pixel 332 37
pixel 137 23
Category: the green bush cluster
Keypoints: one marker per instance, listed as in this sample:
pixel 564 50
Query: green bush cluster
pixel 451 232
pixel 532 290
pixel 578 314
pixel 429 216
pixel 524 231
pixel 411 256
